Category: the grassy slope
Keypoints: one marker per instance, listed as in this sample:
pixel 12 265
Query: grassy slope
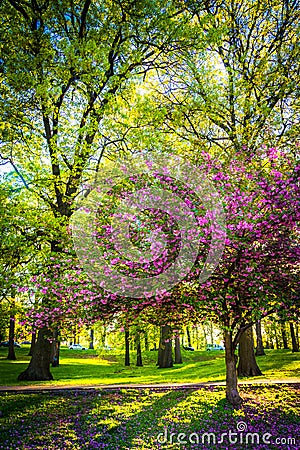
pixel 108 368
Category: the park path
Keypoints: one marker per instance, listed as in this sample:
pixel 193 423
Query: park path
pixel 161 386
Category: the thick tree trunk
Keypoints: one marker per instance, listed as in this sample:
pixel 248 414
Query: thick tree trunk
pixel 165 358
pixel 55 348
pixel 259 344
pixel 247 366
pixel 33 341
pixel 178 357
pixel 139 360
pixel 91 346
pixel 39 366
pixel 232 393
pixel 284 336
pixel 127 348
pixel 295 347
pixel 11 348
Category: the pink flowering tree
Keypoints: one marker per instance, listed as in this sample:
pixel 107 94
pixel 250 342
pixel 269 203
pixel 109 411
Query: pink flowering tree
pixel 261 257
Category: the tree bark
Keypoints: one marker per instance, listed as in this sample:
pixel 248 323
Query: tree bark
pixel 11 348
pixel 259 343
pixel 232 393
pixel 91 346
pixel 165 357
pixel 211 330
pixel 146 341
pixel 139 360
pixel 127 348
pixel 295 347
pixel 39 366
pixel 247 366
pixel 33 341
pixel 178 357
pixel 284 336
pixel 103 337
pixel 55 348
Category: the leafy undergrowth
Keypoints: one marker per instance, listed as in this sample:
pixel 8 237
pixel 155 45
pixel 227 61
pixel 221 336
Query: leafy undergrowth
pixel 151 419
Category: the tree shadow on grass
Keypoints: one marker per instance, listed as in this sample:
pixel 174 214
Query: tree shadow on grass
pixel 10 404
pixel 149 422
pixel 204 411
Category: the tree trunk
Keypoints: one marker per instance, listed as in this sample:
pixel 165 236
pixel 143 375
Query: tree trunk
pixel 146 341
pixel 211 333
pixel 11 348
pixel 247 364
pixel 259 344
pixel 284 336
pixel 33 341
pixel 205 335
pixel 91 346
pixel 188 336
pixel 104 336
pixel 39 366
pixel 55 348
pixel 178 357
pixel 198 338
pixel 127 348
pixel 139 361
pixel 165 357
pixel 295 347
pixel 232 393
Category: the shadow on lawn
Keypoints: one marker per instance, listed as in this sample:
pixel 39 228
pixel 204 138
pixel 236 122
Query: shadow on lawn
pixel 139 422
pixel 268 363
pixel 10 406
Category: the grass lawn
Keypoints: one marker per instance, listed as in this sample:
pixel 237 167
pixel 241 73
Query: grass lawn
pixel 146 418
pixel 85 367
pixel 150 419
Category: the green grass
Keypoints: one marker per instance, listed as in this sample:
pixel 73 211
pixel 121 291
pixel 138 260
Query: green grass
pixel 83 368
pixel 148 419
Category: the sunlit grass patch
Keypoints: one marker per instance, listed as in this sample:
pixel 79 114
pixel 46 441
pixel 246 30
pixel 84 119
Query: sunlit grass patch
pixel 89 368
